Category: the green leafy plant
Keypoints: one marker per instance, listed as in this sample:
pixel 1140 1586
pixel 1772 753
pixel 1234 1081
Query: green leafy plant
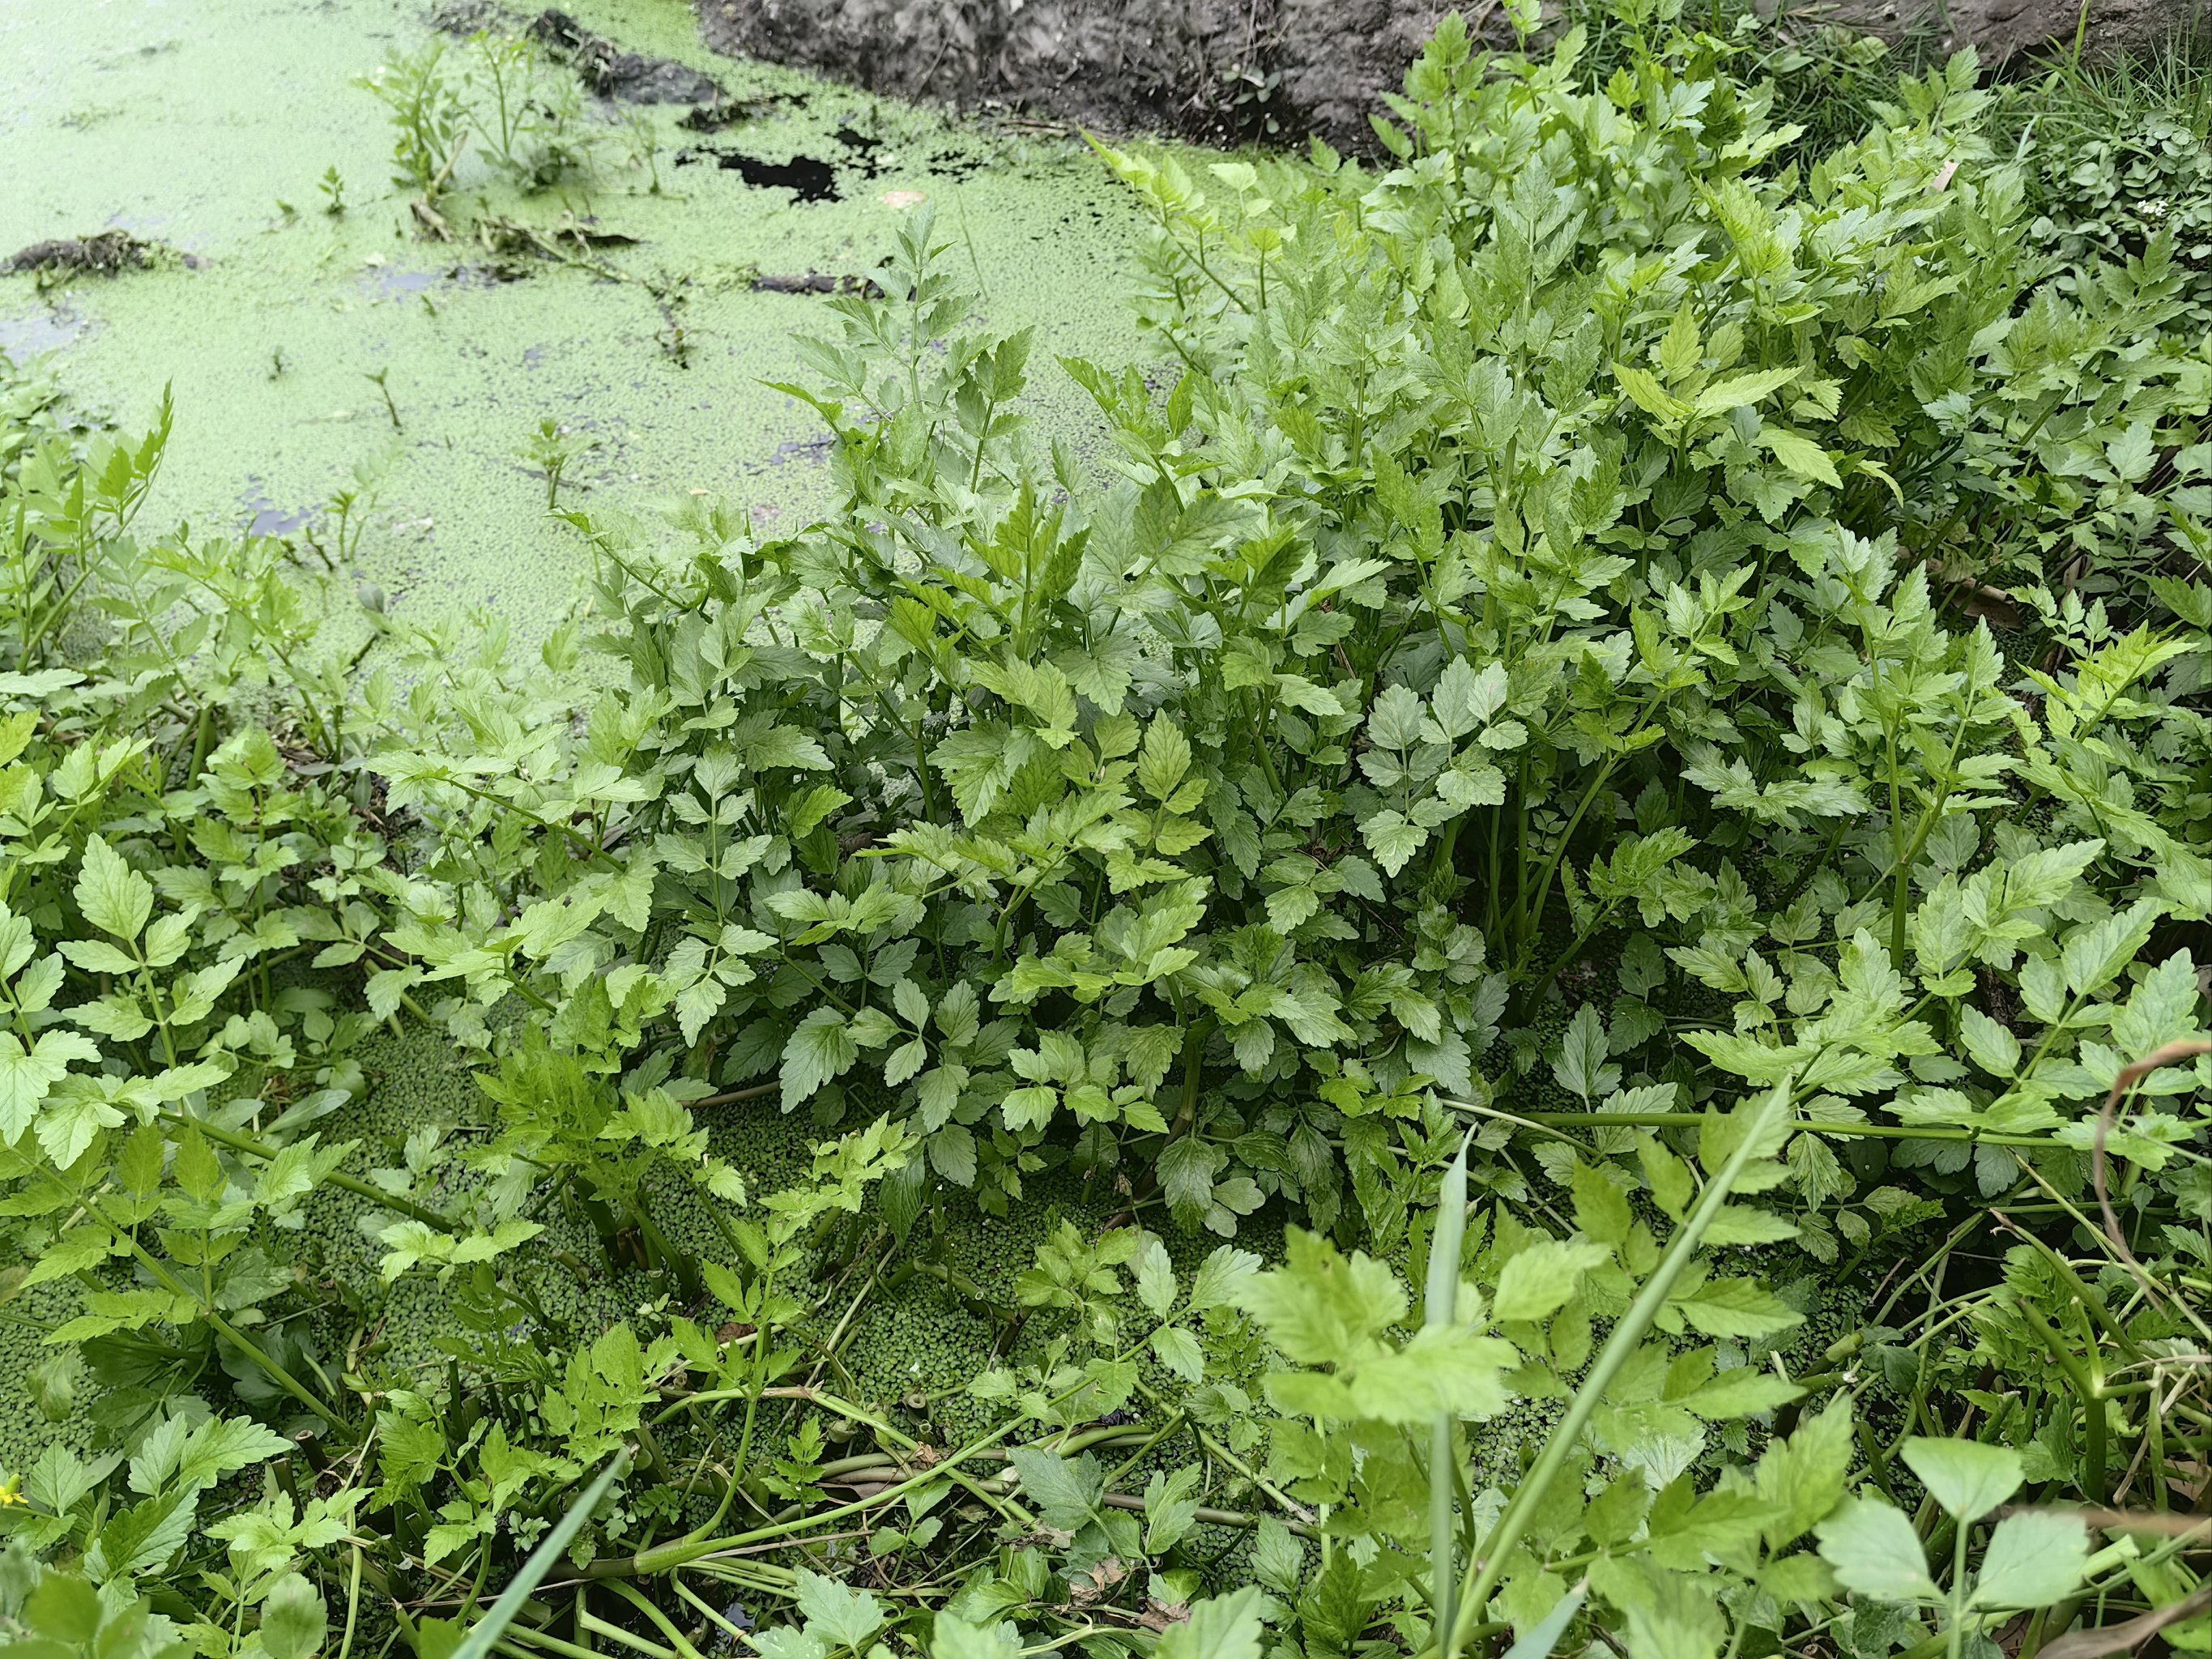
pixel 1620 736
pixel 550 449
pixel 430 122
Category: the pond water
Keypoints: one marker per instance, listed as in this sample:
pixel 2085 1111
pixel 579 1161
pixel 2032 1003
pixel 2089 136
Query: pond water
pixel 206 125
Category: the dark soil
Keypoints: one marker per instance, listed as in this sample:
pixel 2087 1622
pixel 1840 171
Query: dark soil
pixel 725 112
pixel 1221 71
pixel 1239 71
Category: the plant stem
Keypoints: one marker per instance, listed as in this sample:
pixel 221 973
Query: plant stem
pixel 1488 1566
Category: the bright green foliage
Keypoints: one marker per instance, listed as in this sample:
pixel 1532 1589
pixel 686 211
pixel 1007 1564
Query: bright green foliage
pixel 1503 779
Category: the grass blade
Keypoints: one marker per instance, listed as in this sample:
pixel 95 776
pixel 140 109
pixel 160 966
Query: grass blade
pixel 1441 1307
pixel 478 1643
pixel 1538 1640
pixel 1490 1565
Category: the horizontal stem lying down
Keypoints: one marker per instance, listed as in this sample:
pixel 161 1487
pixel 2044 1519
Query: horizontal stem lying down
pixel 1806 1126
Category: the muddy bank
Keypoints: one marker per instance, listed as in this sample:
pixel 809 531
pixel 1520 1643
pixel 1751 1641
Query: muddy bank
pixel 1265 70
pixel 1218 70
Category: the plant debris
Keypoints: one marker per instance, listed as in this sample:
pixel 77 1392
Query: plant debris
pixel 630 78
pixel 814 282
pixel 725 112
pixel 103 255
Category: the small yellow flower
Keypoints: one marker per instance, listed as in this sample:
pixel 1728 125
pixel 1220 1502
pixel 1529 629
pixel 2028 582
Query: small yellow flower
pixel 11 1490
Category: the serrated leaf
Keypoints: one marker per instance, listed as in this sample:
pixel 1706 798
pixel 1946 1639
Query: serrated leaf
pixel 2034 1559
pixel 1875 1552
pixel 1538 1281
pixel 114 897
pixel 1966 1477
pixel 1739 390
pixel 1801 456
pixel 821 1049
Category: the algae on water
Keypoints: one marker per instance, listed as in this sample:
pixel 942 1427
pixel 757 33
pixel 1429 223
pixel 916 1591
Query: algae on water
pixel 301 343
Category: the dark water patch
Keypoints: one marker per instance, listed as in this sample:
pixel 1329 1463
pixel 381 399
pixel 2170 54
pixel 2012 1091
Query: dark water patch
pixel 954 166
pixel 864 149
pixel 808 178
pixel 266 518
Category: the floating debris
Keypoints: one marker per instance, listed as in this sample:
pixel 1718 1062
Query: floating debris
pixel 727 111
pixel 608 70
pixel 814 283
pixel 103 255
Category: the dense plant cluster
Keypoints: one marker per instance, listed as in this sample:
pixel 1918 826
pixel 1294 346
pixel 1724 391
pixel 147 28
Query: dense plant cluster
pixel 1616 732
pixel 2120 163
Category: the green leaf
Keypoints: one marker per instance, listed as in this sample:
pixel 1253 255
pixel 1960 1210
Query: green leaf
pixel 1540 1280
pixel 1179 1350
pixel 1165 758
pixel 1650 396
pixel 1221 1278
pixel 64 1607
pixel 1065 1492
pixel 1393 838
pixel 1736 1306
pixel 1801 456
pixel 1279 1560
pixel 1741 389
pixel 1875 1552
pixel 1994 1048
pixel 293 1619
pixel 1170 1506
pixel 844 1617
pixel 1581 1066
pixel 953 1637
pixel 1968 1478
pixel 2095 954
pixel 1464 699
pixel 1540 1637
pixel 114 897
pixel 75 1251
pixel 478 1643
pixel 2034 1559
pixel 1740 1391
pixel 1320 1306
pixel 821 1049
pixel 27 1075
pixel 1802 1479
pixel 1602 1208
pixel 1186 1168
pixel 1222 1627
pixel 1155 1277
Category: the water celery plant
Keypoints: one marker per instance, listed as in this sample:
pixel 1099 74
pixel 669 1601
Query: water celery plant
pixel 1616 728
